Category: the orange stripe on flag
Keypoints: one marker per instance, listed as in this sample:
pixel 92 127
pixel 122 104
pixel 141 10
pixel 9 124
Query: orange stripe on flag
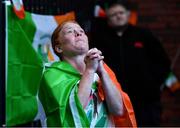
pixel 133 18
pixel 19 13
pixel 128 119
pixel 62 18
pixel 50 56
pixel 18 8
pixel 175 86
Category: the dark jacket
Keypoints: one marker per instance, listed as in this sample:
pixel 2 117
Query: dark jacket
pixel 138 59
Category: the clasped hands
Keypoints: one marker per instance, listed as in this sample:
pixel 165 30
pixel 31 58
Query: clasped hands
pixel 94 61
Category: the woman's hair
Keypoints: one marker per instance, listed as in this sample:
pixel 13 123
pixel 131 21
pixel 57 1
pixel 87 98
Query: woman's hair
pixel 55 35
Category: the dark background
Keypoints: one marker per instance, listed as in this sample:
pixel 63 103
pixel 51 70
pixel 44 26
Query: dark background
pixel 163 18
pixel 160 16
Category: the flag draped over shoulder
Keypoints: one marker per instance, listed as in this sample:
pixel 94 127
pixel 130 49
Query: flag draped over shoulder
pixel 56 102
pixel 58 83
pixel 28 48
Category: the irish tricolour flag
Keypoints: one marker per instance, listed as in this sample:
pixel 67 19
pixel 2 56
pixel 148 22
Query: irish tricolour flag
pixel 28 48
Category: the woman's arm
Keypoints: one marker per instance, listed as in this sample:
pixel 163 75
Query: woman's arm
pixel 92 61
pixel 112 95
pixel 85 86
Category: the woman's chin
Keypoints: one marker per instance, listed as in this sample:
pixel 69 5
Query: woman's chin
pixel 83 50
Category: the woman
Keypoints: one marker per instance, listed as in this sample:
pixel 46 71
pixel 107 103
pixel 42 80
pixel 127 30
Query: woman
pixel 80 90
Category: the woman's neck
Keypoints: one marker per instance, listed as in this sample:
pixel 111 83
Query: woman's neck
pixel 77 62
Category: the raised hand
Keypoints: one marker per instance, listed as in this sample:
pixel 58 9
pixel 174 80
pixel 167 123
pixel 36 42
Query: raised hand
pixel 92 59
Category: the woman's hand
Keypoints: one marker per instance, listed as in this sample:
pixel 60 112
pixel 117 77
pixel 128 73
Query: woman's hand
pixel 92 59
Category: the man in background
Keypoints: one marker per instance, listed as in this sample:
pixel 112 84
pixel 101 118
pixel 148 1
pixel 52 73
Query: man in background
pixel 138 59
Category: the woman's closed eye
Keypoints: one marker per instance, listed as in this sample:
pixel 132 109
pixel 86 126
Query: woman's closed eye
pixel 69 31
pixel 82 31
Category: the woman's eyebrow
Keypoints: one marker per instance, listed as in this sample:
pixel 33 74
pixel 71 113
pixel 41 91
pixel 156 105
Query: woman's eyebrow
pixel 67 27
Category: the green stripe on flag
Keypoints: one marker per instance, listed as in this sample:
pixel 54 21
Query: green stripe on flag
pixel 24 70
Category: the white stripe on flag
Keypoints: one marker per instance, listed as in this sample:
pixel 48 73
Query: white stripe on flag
pixel 7 3
pixel 74 109
pixel 45 26
pixel 17 4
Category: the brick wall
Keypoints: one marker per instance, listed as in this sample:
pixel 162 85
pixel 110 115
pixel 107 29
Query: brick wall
pixel 163 18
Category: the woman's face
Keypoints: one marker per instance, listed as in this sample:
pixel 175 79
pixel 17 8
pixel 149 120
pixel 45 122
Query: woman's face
pixel 73 40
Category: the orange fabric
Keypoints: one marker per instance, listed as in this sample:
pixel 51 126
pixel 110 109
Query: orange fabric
pixel 128 120
pixel 62 18
pixel 175 86
pixel 102 13
pixel 50 56
pixel 133 18
pixel 19 13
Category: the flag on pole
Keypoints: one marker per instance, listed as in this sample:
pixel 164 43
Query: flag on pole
pixel 28 48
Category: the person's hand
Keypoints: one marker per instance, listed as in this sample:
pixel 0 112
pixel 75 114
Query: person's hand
pixel 92 59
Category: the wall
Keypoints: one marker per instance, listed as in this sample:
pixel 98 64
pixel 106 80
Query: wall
pixel 163 18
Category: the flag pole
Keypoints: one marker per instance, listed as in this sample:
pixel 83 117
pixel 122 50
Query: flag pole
pixel 2 64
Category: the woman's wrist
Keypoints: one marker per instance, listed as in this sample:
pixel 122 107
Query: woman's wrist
pixel 101 72
pixel 90 71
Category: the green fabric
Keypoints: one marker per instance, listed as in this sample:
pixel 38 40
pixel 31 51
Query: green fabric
pixel 24 70
pixel 59 96
pixel 102 119
pixel 56 86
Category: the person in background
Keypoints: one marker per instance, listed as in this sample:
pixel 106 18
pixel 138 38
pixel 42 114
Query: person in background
pixel 137 58
pixel 81 90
